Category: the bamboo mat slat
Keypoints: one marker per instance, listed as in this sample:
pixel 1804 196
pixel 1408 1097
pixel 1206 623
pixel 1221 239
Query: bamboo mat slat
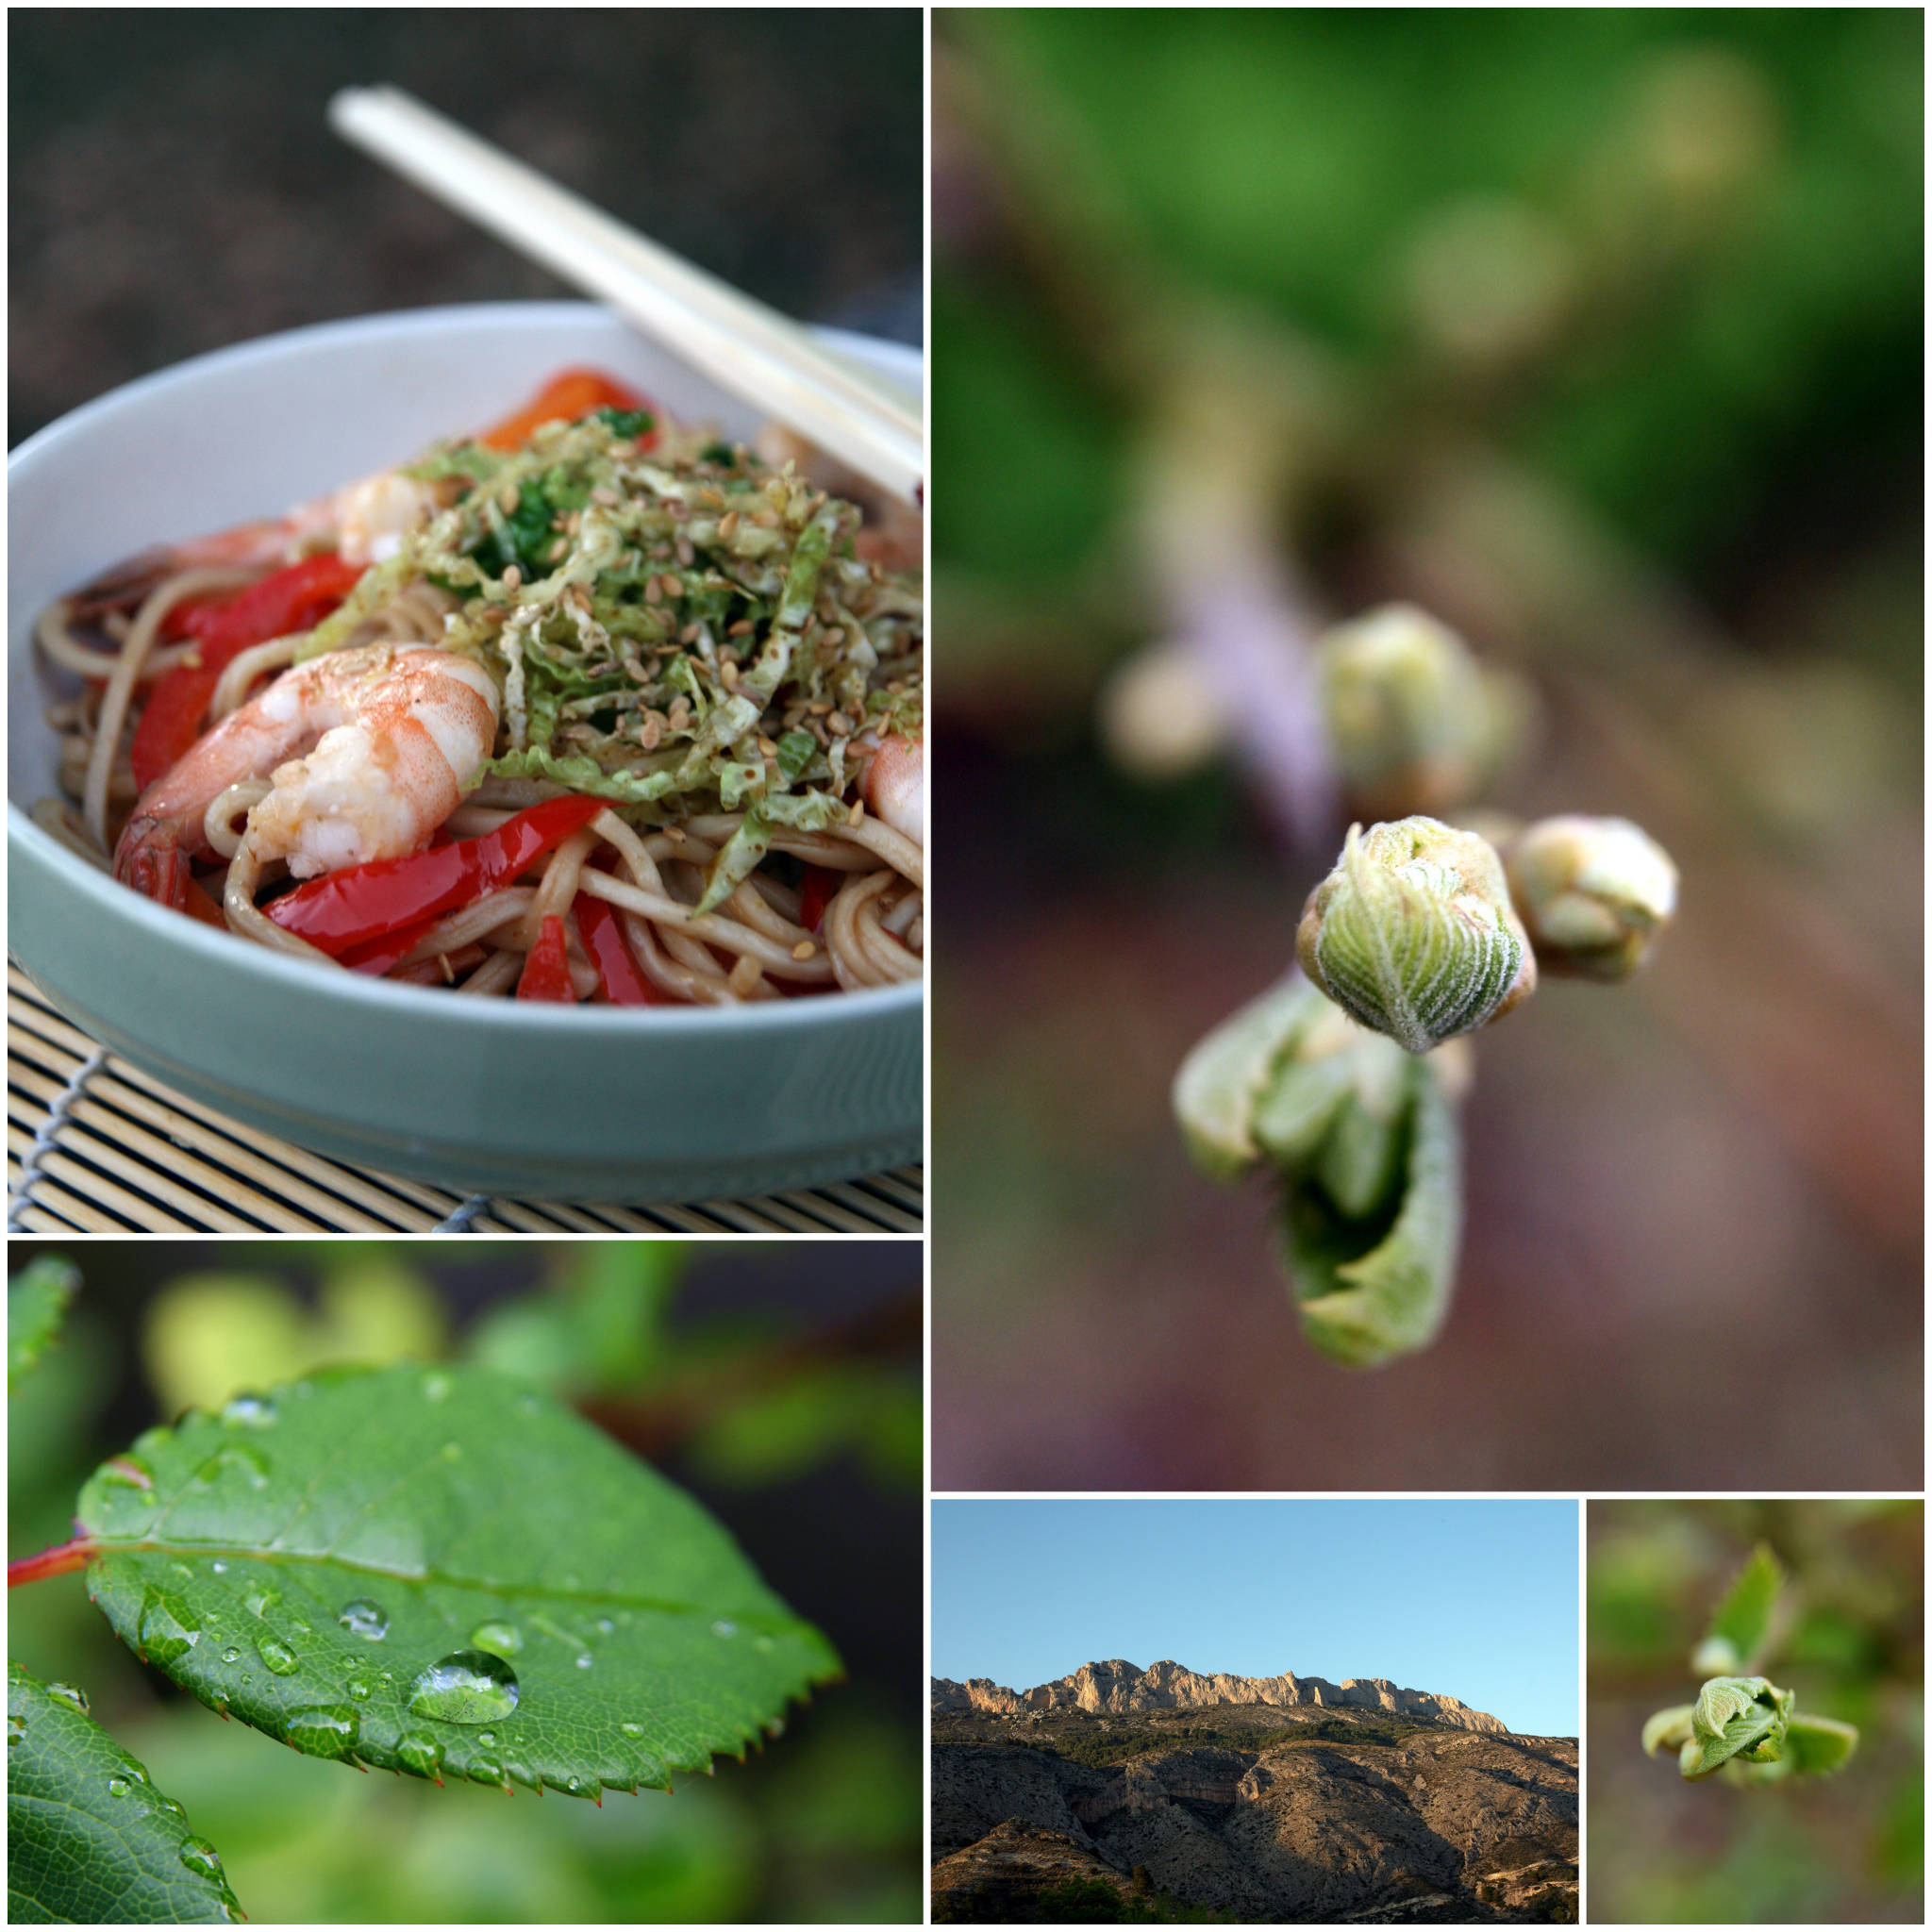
pixel 96 1146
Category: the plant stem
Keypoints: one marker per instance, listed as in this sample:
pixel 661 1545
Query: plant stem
pixel 72 1555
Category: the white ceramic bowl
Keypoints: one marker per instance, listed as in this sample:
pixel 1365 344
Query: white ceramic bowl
pixel 496 1096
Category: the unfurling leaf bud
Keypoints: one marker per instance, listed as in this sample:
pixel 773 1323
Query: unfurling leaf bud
pixel 1735 1717
pixel 1593 894
pixel 1414 935
pixel 1415 723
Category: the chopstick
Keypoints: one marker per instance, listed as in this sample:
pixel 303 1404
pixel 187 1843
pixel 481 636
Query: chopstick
pixel 740 343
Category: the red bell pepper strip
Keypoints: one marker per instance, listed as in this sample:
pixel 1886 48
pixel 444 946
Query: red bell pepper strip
pixel 603 939
pixel 296 598
pixel 546 966
pixel 568 397
pixel 815 893
pixel 342 910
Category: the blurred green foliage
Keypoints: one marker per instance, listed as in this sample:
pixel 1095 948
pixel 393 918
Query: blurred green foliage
pixel 822 1827
pixel 1670 258
pixel 1849 1638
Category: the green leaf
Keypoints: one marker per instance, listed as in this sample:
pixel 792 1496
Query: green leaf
pixel 1735 1717
pixel 89 1840
pixel 1364 1299
pixel 1742 1620
pixel 442 1570
pixel 1668 1731
pixel 1222 1081
pixel 1817 1746
pixel 36 1300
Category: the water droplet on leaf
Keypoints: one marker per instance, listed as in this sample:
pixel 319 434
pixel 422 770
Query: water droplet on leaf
pixel 231 1655
pixel 277 1656
pixel 325 1730
pixel 199 1856
pixel 126 1473
pixel 486 1736
pixel 249 1412
pixel 261 1601
pixel 435 1387
pixel 365 1619
pixel 118 1787
pixel 721 1628
pixel 16 1728
pixel 160 1633
pixel 503 1639
pixel 419 1753
pixel 359 1689
pixel 485 1771
pixel 468 1687
pixel 604 1625
pixel 632 1730
pixel 69 1696
pixel 219 1567
pixel 182 1571
pixel 585 1661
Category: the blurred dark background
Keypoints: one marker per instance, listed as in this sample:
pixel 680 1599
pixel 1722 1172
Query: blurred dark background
pixel 1850 1641
pixel 1599 333
pixel 780 1383
pixel 173 186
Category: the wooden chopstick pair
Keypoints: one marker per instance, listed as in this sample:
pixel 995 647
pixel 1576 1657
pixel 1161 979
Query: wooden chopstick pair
pixel 740 343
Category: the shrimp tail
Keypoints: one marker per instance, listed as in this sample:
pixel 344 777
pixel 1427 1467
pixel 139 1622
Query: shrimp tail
pixel 154 864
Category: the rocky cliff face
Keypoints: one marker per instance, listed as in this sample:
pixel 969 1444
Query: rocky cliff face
pixel 1119 1688
pixel 1446 1824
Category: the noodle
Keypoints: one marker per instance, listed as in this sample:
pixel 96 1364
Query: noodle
pixel 670 628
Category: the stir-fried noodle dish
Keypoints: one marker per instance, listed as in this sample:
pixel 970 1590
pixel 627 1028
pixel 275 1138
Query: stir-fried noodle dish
pixel 589 708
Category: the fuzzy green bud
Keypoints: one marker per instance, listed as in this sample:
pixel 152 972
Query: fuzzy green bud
pixel 1414 935
pixel 1593 894
pixel 1414 722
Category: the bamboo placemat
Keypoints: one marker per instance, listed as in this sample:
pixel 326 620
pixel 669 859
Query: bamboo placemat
pixel 95 1145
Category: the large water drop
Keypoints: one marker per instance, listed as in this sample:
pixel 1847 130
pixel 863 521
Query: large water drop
pixel 325 1730
pixel 277 1656
pixel 161 1634
pixel 199 1856
pixel 468 1687
pixel 365 1619
pixel 419 1753
pixel 69 1696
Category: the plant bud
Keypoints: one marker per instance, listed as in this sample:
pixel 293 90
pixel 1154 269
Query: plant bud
pixel 1414 722
pixel 1414 935
pixel 1593 894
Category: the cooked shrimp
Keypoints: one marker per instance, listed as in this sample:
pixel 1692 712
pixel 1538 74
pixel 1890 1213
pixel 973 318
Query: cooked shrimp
pixel 895 786
pixel 390 733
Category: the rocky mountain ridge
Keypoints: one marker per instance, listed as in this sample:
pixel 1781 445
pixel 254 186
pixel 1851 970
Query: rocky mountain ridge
pixel 1118 1688
pixel 1257 1813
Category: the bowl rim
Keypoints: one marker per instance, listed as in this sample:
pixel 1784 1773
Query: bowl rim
pixel 29 842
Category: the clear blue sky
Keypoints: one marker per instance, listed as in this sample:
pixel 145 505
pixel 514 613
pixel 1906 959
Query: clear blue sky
pixel 1471 1598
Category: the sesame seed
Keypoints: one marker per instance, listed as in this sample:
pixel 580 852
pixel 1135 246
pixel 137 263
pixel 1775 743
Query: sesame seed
pixel 743 628
pixel 653 594
pixel 856 815
pixel 839 725
pixel 804 950
pixel 509 499
pixel 727 670
pixel 513 577
pixel 675 833
pixel 766 748
pixel 745 975
pixel 690 634
pixel 728 525
pixel 605 498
